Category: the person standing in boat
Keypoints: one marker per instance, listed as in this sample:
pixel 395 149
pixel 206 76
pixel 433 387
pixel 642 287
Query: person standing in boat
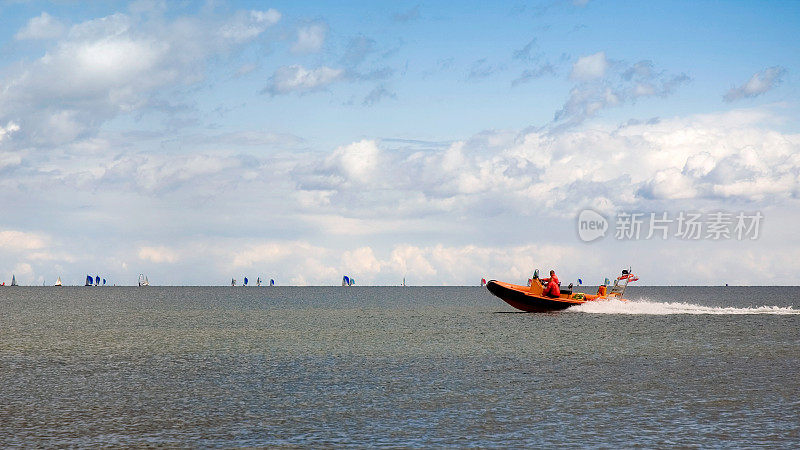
pixel 552 288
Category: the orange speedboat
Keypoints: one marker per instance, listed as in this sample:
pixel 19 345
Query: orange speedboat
pixel 532 298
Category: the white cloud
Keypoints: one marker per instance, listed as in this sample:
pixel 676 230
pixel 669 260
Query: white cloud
pixel 270 253
pixel 5 131
pixel 248 139
pixel 296 262
pixel 154 174
pixel 23 271
pixel 366 187
pixel 590 67
pixel 158 255
pixel 298 79
pixel 246 25
pixel 701 157
pixel 440 264
pixel 361 260
pixel 116 64
pixel 12 240
pixel 358 162
pixel 758 84
pixel 669 184
pixel 602 86
pixel 9 160
pixel 310 38
pixel 43 26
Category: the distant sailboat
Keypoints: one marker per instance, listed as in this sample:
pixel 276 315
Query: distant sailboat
pixel 271 282
pixel 483 282
pixel 97 280
pixel 345 281
pixel 233 281
pixel 245 281
pixel 404 281
pixel 58 281
pixel 89 280
pixel 143 281
pixel 13 280
pixel 104 281
pixel 258 281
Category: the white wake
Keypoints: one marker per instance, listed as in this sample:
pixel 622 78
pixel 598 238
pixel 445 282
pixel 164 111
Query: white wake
pixel 661 308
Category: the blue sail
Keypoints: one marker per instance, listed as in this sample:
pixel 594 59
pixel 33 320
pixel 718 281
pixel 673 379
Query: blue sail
pixel 88 280
pixel 346 281
pixel 104 281
pixel 271 282
pixel 97 280
pixel 245 281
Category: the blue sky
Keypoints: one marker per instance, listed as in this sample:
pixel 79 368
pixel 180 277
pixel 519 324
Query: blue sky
pixel 197 141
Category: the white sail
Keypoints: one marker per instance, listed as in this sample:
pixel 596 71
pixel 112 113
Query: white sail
pixel 143 280
pixel 58 281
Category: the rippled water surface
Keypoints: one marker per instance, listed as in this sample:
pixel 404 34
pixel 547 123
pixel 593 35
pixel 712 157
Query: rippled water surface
pixel 288 366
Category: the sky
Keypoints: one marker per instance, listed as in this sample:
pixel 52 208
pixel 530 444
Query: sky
pixel 439 142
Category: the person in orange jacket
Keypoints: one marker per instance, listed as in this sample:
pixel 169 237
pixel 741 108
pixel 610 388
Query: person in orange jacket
pixel 552 289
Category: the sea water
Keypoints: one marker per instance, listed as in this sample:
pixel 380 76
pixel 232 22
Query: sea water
pixel 394 366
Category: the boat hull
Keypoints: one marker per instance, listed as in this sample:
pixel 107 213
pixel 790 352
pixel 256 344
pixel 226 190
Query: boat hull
pixel 522 298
